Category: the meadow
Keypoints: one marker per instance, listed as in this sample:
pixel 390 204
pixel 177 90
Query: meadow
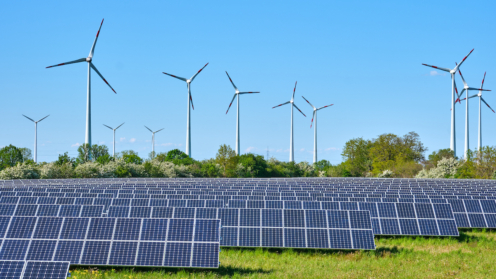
pixel 472 255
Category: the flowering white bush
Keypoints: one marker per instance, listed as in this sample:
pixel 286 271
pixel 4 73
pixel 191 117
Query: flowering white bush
pixel 20 171
pixel 54 171
pixel 88 170
pixel 386 174
pixel 306 168
pixel 446 167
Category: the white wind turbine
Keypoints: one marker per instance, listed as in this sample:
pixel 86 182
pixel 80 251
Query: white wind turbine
pixel 153 139
pixel 467 88
pixel 291 143
pixel 480 120
pixel 35 136
pixel 190 101
pixel 453 101
pixel 315 128
pixel 236 93
pixel 113 149
pixel 89 59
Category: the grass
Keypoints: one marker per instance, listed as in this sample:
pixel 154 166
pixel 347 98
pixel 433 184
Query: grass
pixel 472 255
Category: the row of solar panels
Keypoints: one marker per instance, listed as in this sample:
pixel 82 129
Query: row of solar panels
pixel 33 269
pixel 112 241
pixel 280 195
pixel 466 213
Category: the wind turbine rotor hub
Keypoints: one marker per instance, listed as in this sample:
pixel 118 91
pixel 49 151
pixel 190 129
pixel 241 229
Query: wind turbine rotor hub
pixel 88 59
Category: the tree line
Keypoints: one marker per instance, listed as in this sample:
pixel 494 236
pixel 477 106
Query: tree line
pixel 386 156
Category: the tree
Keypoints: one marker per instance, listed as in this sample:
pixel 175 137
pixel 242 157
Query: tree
pixel 356 157
pixel 63 159
pixel 440 154
pixel 255 165
pixel 226 157
pixel 131 157
pixel 10 156
pixel 176 154
pixel 96 151
pixel 26 154
pixel 486 162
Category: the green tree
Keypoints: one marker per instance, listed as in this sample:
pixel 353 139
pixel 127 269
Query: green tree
pixel 95 150
pixel 26 154
pixel 10 156
pixel 131 157
pixel 226 157
pixel 485 159
pixel 64 158
pixel 356 156
pixel 436 156
pixel 255 165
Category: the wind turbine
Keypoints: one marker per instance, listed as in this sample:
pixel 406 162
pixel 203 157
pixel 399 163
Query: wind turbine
pixel 236 93
pixel 291 144
pixel 113 149
pixel 35 136
pixel 153 139
pixel 480 99
pixel 89 59
pixel 315 128
pixel 467 88
pixel 190 101
pixel 453 101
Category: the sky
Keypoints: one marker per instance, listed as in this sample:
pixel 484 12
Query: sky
pixel 364 57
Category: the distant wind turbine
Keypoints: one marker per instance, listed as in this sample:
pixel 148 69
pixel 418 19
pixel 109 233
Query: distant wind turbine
pixel 291 143
pixel 35 136
pixel 190 101
pixel 467 88
pixel 89 59
pixel 153 139
pixel 113 149
pixel 236 93
pixel 315 128
pixel 480 119
pixel 453 101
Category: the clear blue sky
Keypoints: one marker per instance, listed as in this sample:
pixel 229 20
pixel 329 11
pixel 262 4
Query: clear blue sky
pixel 362 56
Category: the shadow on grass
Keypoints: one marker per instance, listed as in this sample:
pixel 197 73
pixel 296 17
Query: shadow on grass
pixel 464 237
pixel 306 251
pixel 221 271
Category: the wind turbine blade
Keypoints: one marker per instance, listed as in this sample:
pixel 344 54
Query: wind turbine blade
pixel 67 63
pixel 464 83
pixel 248 92
pixel 159 130
pixel 94 43
pixel 94 68
pixel 191 99
pixel 484 78
pixel 478 89
pixel 299 110
pixel 325 106
pixel 307 101
pixel 313 116
pixel 231 103
pixel 120 126
pixel 149 129
pixel 476 95
pixel 463 60
pixel 486 104
pixel 193 77
pixel 439 68
pixel 281 104
pixel 456 90
pixel 461 93
pixel 28 118
pixel 108 127
pixel 43 118
pixel 183 79
pixel 294 90
pixel 231 81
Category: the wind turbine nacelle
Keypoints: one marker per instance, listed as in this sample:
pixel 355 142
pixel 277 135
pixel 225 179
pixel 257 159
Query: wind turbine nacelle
pixel 88 59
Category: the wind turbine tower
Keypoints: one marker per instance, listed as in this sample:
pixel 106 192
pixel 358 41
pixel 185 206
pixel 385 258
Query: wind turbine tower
pixel 236 93
pixel 315 127
pixel 35 136
pixel 89 59
pixel 190 102
pixel 291 143
pixel 113 148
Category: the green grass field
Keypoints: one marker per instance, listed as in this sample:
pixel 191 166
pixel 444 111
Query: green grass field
pixel 472 255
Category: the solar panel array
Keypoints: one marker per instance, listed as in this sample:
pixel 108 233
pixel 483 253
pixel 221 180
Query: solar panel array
pixel 112 241
pixel 330 213
pixel 33 269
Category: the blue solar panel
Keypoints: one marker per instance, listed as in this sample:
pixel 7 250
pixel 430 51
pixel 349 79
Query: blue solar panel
pixel 46 270
pixel 11 269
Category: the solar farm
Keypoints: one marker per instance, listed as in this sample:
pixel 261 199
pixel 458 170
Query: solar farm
pixel 182 223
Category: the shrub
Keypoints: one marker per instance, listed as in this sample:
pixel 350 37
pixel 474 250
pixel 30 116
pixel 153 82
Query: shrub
pixel 20 171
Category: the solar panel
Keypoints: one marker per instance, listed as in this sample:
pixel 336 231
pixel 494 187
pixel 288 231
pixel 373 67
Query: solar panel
pixel 113 241
pixel 11 269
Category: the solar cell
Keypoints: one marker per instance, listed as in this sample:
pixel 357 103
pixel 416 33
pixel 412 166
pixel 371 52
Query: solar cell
pixel 11 269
